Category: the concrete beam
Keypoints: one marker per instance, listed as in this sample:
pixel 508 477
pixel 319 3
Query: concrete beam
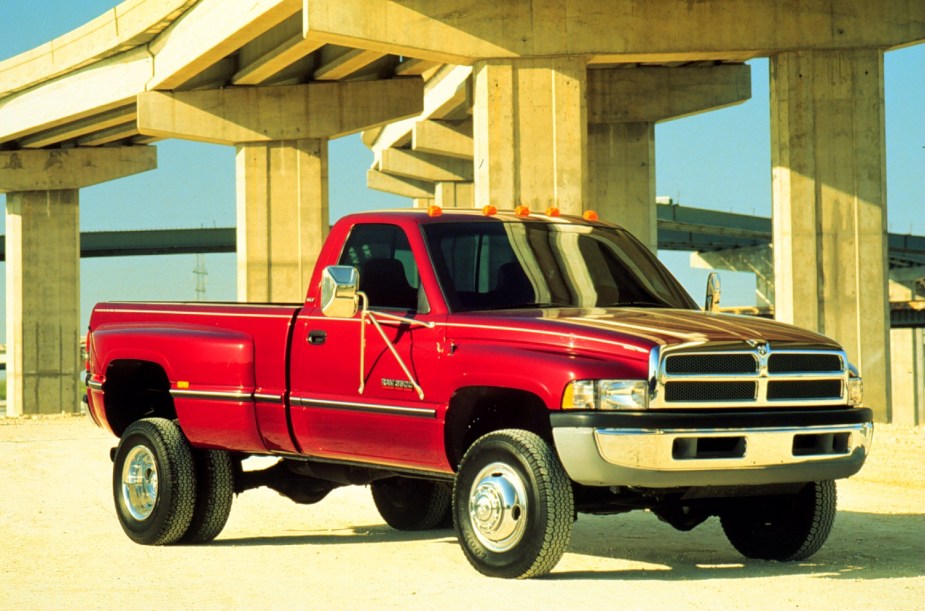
pixel 346 63
pixel 655 94
pixel 447 138
pixel 462 31
pixel 415 67
pixel 405 187
pixel 275 59
pixel 445 92
pixel 76 129
pixel 131 23
pixel 98 88
pixel 110 135
pixel 264 114
pixel 208 32
pixel 282 49
pixel 54 169
pixel 422 166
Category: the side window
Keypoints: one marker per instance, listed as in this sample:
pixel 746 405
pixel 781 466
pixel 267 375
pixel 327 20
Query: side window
pixel 388 272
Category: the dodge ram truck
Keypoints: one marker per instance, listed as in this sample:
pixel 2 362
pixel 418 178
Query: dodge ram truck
pixel 497 371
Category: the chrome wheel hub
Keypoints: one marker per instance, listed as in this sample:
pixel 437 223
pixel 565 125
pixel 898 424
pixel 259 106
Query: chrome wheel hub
pixel 498 507
pixel 139 482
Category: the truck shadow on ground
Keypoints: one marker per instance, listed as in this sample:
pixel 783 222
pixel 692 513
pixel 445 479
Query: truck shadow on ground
pixel 373 533
pixel 861 546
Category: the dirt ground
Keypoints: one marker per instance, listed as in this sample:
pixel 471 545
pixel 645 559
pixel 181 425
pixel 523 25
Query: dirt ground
pixel 61 547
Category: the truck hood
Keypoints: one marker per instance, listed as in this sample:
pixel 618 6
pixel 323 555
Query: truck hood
pixel 645 328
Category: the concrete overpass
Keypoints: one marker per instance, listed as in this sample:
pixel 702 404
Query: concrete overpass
pixel 510 102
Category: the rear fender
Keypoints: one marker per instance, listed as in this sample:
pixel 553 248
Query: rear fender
pixel 210 373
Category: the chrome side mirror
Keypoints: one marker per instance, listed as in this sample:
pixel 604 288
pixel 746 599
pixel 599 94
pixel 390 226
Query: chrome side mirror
pixel 713 293
pixel 339 286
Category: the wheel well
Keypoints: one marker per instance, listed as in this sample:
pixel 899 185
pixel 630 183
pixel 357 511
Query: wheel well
pixel 478 410
pixel 135 390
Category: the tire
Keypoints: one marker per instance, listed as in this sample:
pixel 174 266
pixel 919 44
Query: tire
pixel 214 494
pixel 785 528
pixel 512 505
pixel 411 504
pixel 154 482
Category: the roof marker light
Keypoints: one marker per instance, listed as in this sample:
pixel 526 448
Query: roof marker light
pixel 589 215
pixel 552 211
pixel 434 210
pixel 489 210
pixel 522 210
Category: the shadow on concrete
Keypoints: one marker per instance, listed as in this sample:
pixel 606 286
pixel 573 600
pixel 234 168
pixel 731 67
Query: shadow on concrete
pixel 861 546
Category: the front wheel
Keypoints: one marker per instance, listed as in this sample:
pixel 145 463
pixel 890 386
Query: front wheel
pixel 154 482
pixel 787 527
pixel 513 505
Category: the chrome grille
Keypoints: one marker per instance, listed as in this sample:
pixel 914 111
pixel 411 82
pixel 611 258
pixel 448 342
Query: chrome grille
pixel 700 364
pixel 756 375
pixel 710 391
pixel 804 389
pixel 799 362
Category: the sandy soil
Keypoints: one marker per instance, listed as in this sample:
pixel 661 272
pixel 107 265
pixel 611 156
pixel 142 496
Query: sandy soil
pixel 61 547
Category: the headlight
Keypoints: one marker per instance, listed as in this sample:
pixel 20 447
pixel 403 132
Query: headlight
pixel 855 387
pixel 606 395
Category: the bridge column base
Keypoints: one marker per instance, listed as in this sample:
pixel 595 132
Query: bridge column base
pixel 43 302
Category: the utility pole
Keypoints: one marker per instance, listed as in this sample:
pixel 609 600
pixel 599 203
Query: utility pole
pixel 200 272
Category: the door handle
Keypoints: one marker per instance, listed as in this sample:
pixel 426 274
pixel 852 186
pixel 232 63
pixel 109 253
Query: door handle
pixel 316 338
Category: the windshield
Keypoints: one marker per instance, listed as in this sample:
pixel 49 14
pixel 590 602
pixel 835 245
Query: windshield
pixel 494 265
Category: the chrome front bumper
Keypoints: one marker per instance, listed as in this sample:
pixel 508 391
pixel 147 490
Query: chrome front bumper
pixel 680 457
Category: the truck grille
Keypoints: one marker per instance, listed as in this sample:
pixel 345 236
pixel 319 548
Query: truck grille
pixel 759 376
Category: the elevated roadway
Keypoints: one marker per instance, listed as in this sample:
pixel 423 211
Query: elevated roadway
pixel 526 101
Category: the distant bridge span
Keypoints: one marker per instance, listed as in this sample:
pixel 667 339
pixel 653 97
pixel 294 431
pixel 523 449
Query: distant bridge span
pixel 679 228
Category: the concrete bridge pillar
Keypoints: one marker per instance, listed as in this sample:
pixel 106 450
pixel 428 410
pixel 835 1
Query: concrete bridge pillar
pixel 43 268
pixel 829 204
pixel 453 194
pixel 529 134
pixel 281 136
pixel 282 207
pixel 623 108
pixel 622 177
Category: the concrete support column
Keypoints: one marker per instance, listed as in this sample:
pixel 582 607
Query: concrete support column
pixel 453 194
pixel 623 108
pixel 621 172
pixel 281 137
pixel 530 134
pixel 43 302
pixel 282 209
pixel 43 267
pixel 829 205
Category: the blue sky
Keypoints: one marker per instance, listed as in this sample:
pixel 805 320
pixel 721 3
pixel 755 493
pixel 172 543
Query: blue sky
pixel 719 160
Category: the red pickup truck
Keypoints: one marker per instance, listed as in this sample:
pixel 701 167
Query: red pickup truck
pixel 497 371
